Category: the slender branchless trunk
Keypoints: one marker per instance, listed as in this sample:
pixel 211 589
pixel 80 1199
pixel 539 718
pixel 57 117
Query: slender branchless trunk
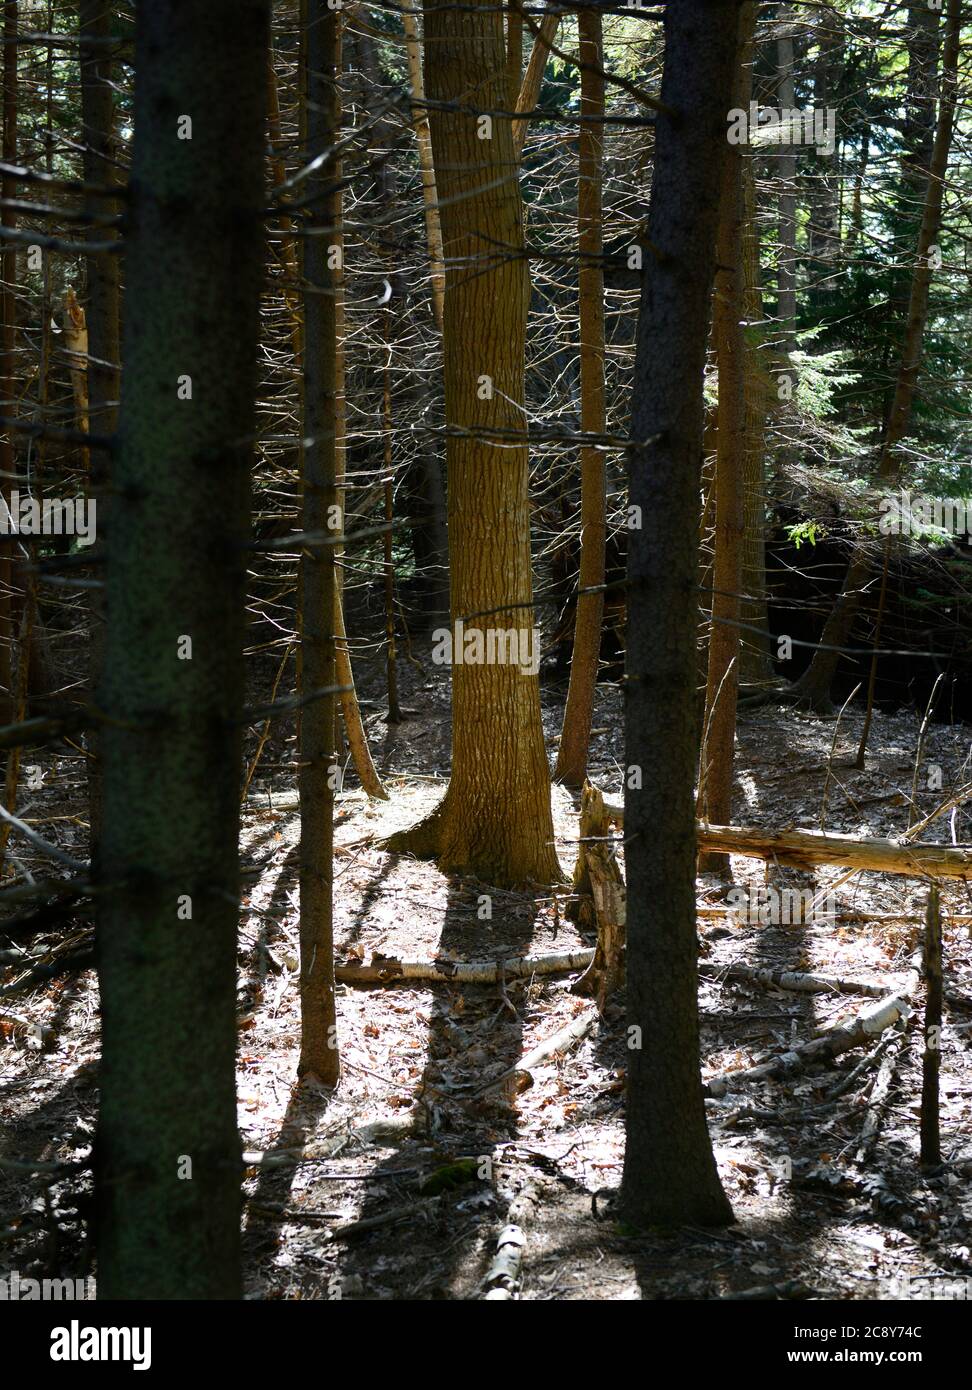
pixel 544 34
pixel 576 732
pixel 102 315
pixel 8 350
pixel 786 169
pixel 670 1176
pixel 168 1162
pixel 423 140
pixel 722 681
pixel 755 665
pixel 320 104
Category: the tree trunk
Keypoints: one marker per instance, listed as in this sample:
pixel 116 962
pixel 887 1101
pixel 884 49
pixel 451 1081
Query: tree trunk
pixel 495 821
pixel 722 682
pixel 168 1159
pixel 8 348
pixel 931 222
pixel 320 65
pixel 423 140
pixel 575 735
pixel 514 51
pixel 823 213
pixel 755 665
pixel 786 169
pixel 544 35
pixel 102 313
pixel 815 684
pixel 670 1175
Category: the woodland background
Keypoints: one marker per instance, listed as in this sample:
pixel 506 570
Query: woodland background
pixel 354 323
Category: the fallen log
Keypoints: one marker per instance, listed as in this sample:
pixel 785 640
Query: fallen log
pixel 797 980
pixel 518 1077
pixel 503 1277
pixel 861 1030
pixel 807 849
pixel 383 970
pixel 879 1096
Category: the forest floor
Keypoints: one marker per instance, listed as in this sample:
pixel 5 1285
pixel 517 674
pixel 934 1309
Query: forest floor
pixel 398 1185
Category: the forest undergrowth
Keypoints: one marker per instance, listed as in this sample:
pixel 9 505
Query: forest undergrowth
pixel 401 1183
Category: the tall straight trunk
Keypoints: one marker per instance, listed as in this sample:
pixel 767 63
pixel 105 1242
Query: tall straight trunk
pixel 670 1176
pixel 168 1160
pixel 899 417
pixel 576 732
pixel 320 116
pixel 102 315
pixel 288 251
pixel 729 307
pixel 388 459
pixel 755 664
pixel 495 821
pixel 514 50
pixel 786 171
pixel 922 42
pixel 8 349
pixel 423 140
pixel 544 35
pixel 815 684
pixel 350 708
pixel 823 213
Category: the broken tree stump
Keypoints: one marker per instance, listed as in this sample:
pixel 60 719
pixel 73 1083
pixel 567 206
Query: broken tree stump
pixel 598 879
pixel 931 1148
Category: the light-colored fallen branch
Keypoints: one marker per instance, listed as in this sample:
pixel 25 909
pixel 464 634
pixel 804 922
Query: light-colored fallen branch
pixel 797 980
pixel 503 1275
pixel 806 849
pixel 861 1030
pixel 879 1096
pixel 386 969
pixel 519 1075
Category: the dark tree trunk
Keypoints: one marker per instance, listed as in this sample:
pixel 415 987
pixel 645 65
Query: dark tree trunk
pixel 670 1174
pixel 320 64
pixel 102 311
pixel 168 1161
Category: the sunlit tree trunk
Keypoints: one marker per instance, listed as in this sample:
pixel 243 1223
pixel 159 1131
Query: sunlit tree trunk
pixel 423 139
pixel 320 65
pixel 576 732
pixel 495 821
pixel 722 682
